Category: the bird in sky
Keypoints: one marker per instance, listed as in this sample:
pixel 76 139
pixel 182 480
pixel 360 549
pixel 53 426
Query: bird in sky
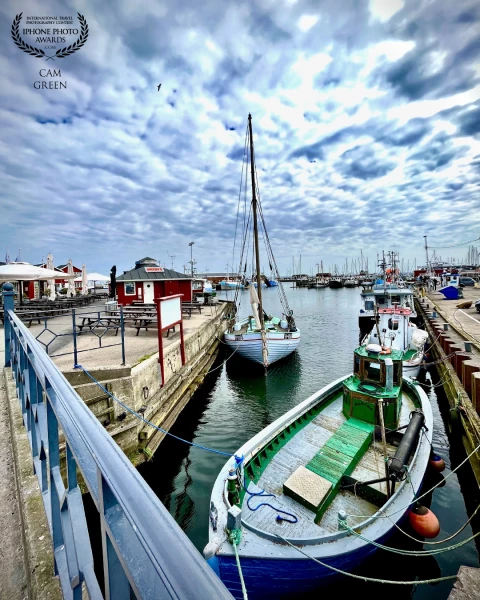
pixel 158 87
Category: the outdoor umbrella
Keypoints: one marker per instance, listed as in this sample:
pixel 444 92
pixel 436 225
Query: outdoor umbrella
pixel 93 278
pixel 113 281
pixel 22 271
pixel 71 285
pixel 84 280
pixel 51 282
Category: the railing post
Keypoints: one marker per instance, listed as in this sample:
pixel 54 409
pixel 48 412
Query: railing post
pixel 8 304
pixel 74 326
pixel 122 333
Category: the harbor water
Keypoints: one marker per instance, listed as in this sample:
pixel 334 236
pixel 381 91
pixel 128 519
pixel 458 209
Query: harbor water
pixel 237 400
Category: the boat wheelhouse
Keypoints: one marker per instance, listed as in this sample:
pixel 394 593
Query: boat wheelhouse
pixel 380 296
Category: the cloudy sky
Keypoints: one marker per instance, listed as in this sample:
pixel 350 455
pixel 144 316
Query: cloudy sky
pixel 366 120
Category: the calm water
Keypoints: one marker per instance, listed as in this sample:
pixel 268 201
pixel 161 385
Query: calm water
pixel 236 401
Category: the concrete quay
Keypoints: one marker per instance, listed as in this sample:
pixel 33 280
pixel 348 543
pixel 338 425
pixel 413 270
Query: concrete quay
pixel 467 584
pixel 138 383
pixel 455 348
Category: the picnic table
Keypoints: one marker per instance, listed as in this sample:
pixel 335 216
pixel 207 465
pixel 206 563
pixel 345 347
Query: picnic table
pixel 188 307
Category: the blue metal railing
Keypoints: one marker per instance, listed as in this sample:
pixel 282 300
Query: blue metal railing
pixel 145 553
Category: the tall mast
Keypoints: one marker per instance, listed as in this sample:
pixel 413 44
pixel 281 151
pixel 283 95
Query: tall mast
pixel 255 224
pixel 426 252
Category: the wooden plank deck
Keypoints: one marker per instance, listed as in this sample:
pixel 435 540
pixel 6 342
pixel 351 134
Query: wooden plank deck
pixel 299 451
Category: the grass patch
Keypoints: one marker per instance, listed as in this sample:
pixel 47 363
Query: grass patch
pixel 145 357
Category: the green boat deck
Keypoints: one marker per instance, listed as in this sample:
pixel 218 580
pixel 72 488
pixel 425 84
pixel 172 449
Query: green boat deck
pixel 330 446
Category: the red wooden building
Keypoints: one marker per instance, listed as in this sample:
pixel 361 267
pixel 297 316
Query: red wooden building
pixel 148 281
pixel 35 289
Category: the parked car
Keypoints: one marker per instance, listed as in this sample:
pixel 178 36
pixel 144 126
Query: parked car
pixel 467 281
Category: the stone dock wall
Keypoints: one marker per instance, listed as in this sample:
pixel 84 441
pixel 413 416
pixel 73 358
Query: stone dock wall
pixel 139 388
pixel 459 372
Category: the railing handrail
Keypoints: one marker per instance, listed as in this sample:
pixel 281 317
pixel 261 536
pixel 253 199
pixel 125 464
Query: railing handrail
pixel 177 563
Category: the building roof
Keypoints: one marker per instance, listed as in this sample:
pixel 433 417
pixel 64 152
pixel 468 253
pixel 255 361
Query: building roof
pixel 218 274
pixel 147 259
pixel 142 274
pixel 60 267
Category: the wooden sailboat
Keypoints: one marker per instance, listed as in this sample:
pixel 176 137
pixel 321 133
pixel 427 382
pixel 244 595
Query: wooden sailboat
pixel 321 481
pixel 262 338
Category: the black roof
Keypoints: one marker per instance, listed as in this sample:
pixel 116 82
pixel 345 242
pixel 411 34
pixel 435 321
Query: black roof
pixel 139 274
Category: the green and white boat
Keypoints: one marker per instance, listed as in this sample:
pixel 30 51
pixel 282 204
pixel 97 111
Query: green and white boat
pixel 333 467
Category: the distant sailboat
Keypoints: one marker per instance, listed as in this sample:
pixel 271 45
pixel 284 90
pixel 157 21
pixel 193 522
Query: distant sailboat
pixel 261 338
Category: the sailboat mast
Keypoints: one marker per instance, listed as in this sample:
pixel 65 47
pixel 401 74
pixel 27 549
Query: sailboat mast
pixel 255 223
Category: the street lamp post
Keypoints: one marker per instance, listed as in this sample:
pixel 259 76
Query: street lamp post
pixel 191 255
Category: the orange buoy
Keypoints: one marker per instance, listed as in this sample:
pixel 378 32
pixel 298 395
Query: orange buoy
pixel 436 462
pixel 423 521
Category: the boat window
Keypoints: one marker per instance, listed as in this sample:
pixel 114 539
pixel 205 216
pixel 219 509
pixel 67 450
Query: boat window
pixel 369 304
pixel 381 299
pixel 395 299
pixel 393 324
pixel 356 365
pixel 372 370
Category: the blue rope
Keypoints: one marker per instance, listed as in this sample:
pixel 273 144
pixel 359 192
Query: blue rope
pixel 142 418
pixel 262 494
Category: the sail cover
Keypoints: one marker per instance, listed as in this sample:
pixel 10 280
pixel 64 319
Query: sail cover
pixel 255 302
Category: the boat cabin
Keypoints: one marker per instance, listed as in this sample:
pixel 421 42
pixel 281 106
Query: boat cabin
pixel 380 297
pixel 377 374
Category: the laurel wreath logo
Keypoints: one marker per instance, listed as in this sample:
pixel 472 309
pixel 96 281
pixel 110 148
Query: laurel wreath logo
pixel 38 52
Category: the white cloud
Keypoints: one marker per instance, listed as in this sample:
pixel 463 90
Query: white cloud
pixel 383 10
pixel 306 22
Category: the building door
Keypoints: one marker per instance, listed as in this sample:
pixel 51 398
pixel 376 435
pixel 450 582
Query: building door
pixel 148 296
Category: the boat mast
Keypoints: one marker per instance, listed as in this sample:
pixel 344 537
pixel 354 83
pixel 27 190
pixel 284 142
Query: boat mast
pixel 426 252
pixel 255 223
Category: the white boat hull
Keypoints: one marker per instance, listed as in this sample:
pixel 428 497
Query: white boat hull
pixel 249 345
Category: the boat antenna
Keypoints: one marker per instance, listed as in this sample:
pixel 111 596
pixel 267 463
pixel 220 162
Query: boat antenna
pixel 255 223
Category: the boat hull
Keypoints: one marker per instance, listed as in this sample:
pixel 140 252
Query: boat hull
pixel 287 578
pixel 249 345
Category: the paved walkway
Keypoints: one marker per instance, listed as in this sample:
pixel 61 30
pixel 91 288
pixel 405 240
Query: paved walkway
pixel 467 320
pixel 13 584
pixel 137 348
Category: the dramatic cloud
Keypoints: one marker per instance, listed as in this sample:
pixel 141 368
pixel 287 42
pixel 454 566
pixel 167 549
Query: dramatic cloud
pixel 366 121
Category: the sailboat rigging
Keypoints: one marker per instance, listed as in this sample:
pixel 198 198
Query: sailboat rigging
pixel 261 338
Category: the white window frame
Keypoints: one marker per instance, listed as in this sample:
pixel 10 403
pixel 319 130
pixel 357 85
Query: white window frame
pixel 125 288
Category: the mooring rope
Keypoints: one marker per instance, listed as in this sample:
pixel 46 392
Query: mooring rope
pixel 387 516
pixel 364 578
pixel 409 552
pixel 234 538
pixel 146 421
